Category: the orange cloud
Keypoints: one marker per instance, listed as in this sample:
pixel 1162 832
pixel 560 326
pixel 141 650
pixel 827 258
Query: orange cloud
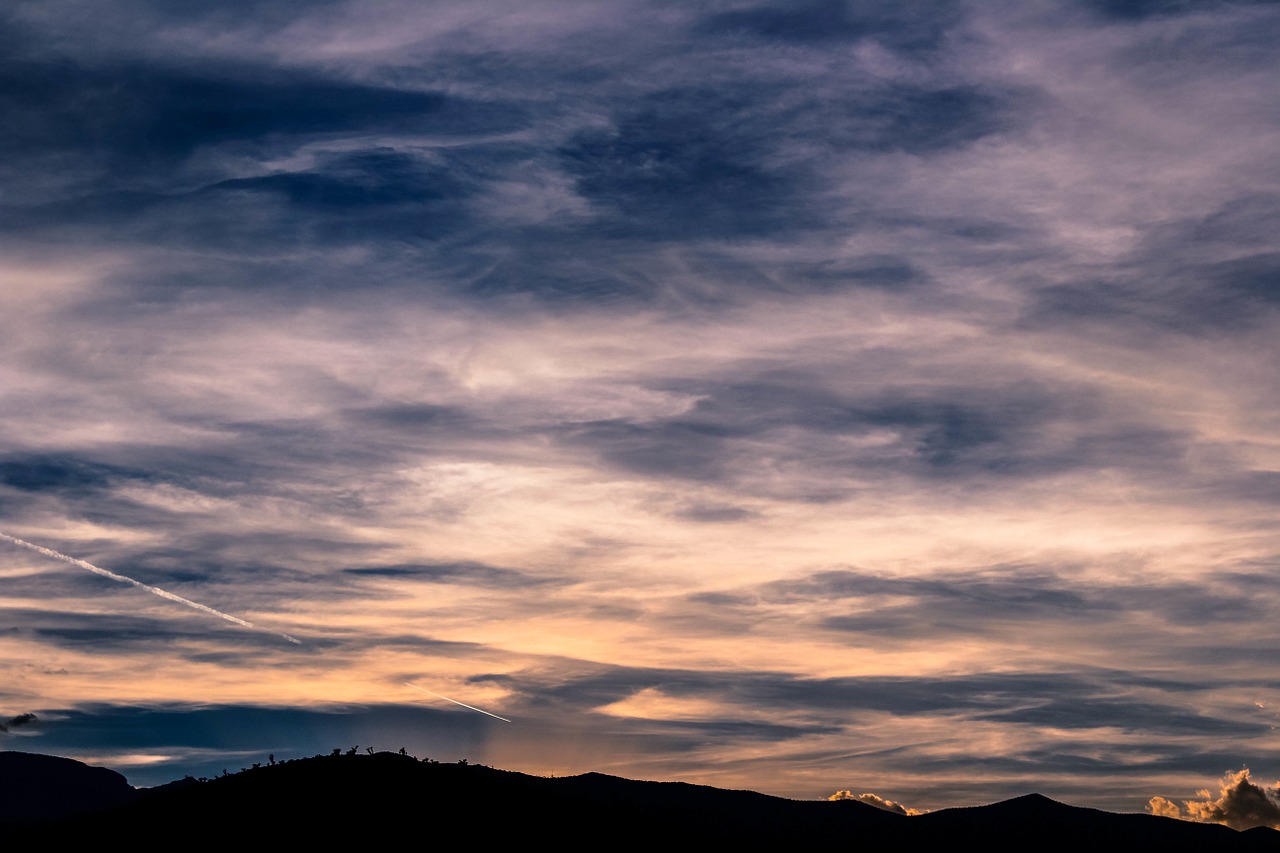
pixel 1240 804
pixel 875 800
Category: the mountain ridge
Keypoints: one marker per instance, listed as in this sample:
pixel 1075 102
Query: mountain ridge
pixel 358 798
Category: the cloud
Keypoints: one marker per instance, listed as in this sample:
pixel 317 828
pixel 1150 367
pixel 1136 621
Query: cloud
pixel 1065 701
pixel 715 513
pixel 60 473
pixel 17 722
pixel 738 161
pixel 688 159
pixel 106 634
pixel 980 600
pixel 877 801
pixel 1139 10
pixel 802 373
pixel 149 116
pixel 474 573
pixel 1240 804
pixel 915 29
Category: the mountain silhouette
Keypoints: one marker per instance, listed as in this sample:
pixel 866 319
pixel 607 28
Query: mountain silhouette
pixel 384 797
pixel 44 787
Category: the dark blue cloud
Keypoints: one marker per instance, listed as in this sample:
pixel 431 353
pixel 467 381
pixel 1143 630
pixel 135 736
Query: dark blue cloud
pixel 1062 700
pixel 611 264
pixel 184 155
pixel 175 634
pixel 1196 299
pixel 982 602
pixel 683 449
pixel 1254 278
pixel 1139 10
pixel 62 473
pixel 566 268
pixel 46 580
pixel 467 572
pixel 942 432
pixel 17 722
pixel 189 157
pixel 373 178
pixel 918 120
pixel 267 14
pixel 417 417
pixel 92 488
pixel 371 194
pixel 710 163
pixel 905 27
pixel 144 118
pixel 888 272
pixel 1136 10
pixel 688 162
pixel 1205 275
pixel 1127 714
pixel 1016 586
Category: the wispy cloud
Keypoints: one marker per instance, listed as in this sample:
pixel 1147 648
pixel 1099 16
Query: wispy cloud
pixel 169 596
pixel 794 373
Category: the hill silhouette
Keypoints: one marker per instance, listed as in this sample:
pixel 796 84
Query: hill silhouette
pixel 384 797
pixel 44 787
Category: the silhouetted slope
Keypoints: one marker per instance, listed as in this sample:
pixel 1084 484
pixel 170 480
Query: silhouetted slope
pixel 1034 816
pixel 44 787
pixel 387 798
pixel 717 814
pixel 355 798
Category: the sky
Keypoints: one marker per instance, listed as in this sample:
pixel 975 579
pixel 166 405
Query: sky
pixel 795 396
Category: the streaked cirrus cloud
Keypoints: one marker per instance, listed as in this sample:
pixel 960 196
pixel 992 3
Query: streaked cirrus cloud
pixel 789 396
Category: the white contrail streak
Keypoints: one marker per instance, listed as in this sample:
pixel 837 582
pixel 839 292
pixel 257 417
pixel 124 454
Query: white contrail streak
pixel 456 702
pixel 154 590
pixel 195 605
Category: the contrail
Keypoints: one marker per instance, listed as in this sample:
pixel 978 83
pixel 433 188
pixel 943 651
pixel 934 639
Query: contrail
pixel 456 702
pixel 195 605
pixel 154 590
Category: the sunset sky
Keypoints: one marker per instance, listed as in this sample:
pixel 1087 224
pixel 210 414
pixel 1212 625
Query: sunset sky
pixel 793 396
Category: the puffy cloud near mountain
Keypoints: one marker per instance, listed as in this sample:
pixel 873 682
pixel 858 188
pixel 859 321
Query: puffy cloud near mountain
pixel 877 801
pixel 1240 804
